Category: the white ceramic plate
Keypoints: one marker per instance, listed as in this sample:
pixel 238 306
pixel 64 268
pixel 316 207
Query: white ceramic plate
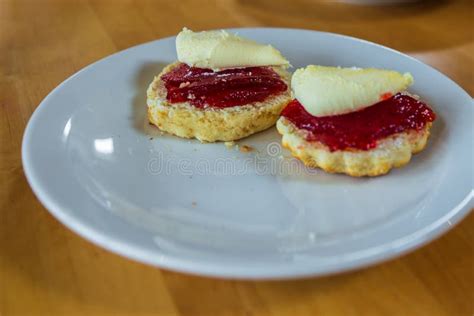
pixel 97 166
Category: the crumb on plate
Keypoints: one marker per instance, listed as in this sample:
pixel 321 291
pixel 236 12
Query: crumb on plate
pixel 246 148
pixel 229 144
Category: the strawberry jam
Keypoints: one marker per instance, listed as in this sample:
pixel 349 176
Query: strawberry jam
pixel 362 129
pixel 221 89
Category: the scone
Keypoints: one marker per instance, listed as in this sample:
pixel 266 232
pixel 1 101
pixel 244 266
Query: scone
pixel 360 122
pixel 223 88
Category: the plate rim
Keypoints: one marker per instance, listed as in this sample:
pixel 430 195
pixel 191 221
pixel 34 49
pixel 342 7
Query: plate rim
pixel 133 251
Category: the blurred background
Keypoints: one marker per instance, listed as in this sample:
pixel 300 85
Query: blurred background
pixel 440 32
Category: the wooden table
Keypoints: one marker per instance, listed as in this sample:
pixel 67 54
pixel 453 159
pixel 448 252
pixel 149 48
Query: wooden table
pixel 47 270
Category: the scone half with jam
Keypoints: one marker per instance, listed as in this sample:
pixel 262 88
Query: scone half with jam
pixel 222 88
pixel 361 122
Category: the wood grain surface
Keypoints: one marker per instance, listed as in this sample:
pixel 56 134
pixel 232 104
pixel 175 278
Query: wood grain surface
pixel 47 270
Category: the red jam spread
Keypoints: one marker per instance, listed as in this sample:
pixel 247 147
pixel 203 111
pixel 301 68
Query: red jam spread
pixel 221 89
pixel 362 129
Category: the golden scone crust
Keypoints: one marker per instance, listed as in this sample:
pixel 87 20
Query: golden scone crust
pixel 211 124
pixel 393 151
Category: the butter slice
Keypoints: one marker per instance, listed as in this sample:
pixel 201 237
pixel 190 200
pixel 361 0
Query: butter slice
pixel 325 91
pixel 219 49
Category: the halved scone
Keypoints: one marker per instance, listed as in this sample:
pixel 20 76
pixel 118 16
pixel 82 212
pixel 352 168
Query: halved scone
pixel 355 121
pixel 212 124
pixel 223 88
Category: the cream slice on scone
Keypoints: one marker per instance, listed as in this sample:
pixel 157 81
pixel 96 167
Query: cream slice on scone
pixel 325 91
pixel 333 92
pixel 218 52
